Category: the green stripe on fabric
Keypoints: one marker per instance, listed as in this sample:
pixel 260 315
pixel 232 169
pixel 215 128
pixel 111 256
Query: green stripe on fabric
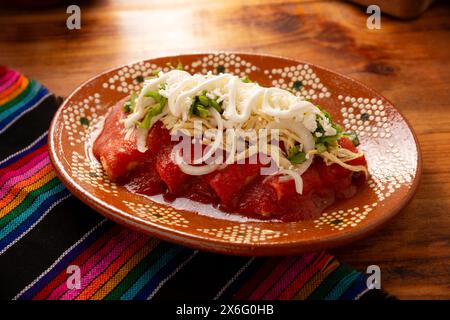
pixel 31 84
pixel 150 272
pixel 28 201
pixel 330 282
pixel 34 96
pixel 342 286
pixel 137 271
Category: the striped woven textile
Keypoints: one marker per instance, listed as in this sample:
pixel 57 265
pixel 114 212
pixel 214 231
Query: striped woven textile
pixel 44 230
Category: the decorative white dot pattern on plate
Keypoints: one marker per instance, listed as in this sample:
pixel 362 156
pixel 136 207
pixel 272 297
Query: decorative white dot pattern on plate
pixel 341 219
pixel 243 233
pixel 79 117
pixel 164 215
pixel 365 116
pixel 368 118
pixel 92 173
pixel 300 80
pixel 222 62
pixel 131 77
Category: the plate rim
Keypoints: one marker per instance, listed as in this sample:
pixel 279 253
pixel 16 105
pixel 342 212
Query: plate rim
pixel 216 244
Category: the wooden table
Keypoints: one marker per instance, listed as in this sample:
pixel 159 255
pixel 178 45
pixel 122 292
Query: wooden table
pixel 408 62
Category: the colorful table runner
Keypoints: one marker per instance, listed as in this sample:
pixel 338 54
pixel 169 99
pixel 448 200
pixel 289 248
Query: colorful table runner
pixel 44 230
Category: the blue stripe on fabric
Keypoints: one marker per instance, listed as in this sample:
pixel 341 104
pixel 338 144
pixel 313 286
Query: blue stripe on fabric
pixel 22 153
pixel 40 204
pixel 358 286
pixel 28 223
pixel 15 117
pixel 150 273
pixel 35 87
pixel 37 93
pixel 342 286
pixel 151 285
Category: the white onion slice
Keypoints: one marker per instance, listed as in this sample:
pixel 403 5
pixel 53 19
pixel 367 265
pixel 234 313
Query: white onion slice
pixel 193 170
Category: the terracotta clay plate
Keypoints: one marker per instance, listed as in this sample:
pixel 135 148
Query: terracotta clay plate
pixel 390 146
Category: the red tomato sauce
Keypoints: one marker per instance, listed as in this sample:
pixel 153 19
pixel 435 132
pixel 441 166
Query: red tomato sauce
pixel 237 188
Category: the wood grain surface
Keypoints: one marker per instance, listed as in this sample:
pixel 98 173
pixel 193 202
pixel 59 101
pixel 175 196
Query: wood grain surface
pixel 407 61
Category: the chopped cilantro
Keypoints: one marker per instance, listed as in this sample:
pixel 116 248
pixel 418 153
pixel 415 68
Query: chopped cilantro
pixel 153 111
pixel 246 79
pixel 154 95
pixel 213 103
pixel 203 100
pixel 320 147
pixel 323 141
pixel 157 97
pixel 157 108
pixel 201 104
pixel 201 111
pixel 128 106
pixel 295 156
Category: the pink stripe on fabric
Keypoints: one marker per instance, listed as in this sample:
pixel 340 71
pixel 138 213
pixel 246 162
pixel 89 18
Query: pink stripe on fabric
pixel 10 77
pixel 4 75
pixel 101 266
pixel 272 278
pixel 24 167
pixel 17 179
pixel 13 177
pixel 289 276
pixel 90 263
